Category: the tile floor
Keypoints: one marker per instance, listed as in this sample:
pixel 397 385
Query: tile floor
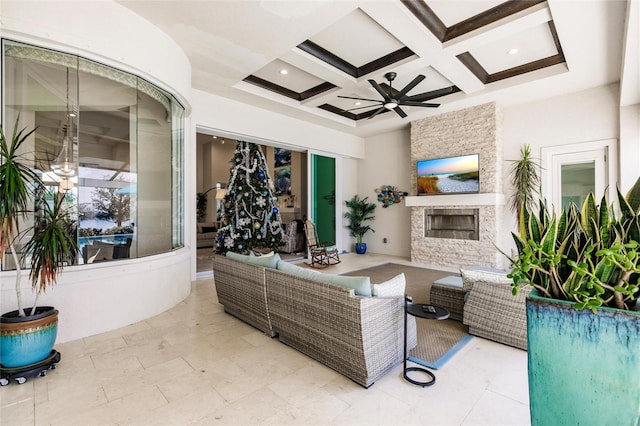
pixel 196 365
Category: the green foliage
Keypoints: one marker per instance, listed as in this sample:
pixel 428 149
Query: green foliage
pixel 201 206
pixel 109 204
pixel 52 243
pixel 525 180
pixel 360 211
pixel 590 256
pixel 17 181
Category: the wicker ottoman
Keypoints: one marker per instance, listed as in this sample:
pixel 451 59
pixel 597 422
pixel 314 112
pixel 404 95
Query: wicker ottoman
pixel 448 293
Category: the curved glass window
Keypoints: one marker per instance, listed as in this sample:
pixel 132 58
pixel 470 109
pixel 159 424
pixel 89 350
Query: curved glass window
pixel 111 141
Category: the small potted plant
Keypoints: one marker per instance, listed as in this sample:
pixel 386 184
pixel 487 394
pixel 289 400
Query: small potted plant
pixel 583 323
pixel 360 211
pixel 28 335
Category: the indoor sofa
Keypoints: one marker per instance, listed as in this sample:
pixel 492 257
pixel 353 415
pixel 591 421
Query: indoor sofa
pixel 206 234
pixel 321 315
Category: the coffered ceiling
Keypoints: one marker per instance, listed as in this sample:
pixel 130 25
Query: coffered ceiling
pixel 297 58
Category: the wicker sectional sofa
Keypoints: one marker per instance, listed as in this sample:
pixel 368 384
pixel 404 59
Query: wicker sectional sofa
pixel 360 337
pixel 242 290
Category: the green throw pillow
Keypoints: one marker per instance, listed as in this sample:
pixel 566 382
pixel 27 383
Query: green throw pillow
pixel 361 285
pixel 297 271
pixel 264 261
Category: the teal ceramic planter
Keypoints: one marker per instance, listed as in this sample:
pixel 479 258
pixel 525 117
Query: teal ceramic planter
pixel 584 368
pixel 27 340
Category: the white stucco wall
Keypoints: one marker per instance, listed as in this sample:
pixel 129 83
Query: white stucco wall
pixel 387 162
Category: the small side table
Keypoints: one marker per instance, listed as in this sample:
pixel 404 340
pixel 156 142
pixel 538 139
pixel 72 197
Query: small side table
pixel 420 310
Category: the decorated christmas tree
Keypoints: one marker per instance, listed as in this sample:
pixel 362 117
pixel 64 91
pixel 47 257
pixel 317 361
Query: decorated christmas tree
pixel 250 218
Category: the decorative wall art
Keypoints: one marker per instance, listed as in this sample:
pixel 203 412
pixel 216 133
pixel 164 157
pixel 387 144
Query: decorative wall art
pixel 282 157
pixel 389 195
pixel 282 171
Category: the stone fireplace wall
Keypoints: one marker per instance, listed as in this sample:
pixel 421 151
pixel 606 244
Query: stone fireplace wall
pixel 475 130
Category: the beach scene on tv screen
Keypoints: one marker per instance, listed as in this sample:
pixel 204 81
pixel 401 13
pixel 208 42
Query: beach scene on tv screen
pixel 448 175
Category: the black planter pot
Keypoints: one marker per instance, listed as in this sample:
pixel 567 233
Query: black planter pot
pixel 27 340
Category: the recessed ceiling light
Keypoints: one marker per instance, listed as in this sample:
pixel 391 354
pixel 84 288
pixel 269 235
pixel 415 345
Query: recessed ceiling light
pixel 284 72
pixel 512 51
pixel 357 103
pixel 215 137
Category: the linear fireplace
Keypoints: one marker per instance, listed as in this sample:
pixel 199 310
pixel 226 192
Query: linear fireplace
pixel 461 224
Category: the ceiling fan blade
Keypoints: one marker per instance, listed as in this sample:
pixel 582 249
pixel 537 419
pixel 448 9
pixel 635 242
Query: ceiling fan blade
pixel 419 104
pixel 410 86
pixel 430 95
pixel 360 99
pixel 383 109
pixel 379 90
pixel 400 112
pixel 362 107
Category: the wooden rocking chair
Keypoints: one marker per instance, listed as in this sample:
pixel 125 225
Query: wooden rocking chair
pixel 322 254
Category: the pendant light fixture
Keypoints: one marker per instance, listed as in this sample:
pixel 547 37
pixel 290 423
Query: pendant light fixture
pixel 64 164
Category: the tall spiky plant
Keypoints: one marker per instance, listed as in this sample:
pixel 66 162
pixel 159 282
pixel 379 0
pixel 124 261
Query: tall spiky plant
pixel 589 256
pixel 17 181
pixel 52 243
pixel 525 180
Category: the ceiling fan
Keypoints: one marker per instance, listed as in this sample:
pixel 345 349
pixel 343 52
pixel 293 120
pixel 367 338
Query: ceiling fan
pixel 392 99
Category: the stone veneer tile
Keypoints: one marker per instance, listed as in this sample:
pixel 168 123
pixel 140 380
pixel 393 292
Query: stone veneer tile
pixel 475 130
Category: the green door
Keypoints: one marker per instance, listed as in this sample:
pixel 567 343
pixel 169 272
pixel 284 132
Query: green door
pixel 323 197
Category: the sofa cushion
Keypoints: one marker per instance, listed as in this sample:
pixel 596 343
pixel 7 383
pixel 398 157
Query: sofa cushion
pixel 264 261
pixel 394 287
pixel 361 285
pixel 450 281
pixel 295 270
pixel 481 273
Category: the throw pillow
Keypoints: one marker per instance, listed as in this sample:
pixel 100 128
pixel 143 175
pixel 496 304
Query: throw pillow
pixel 394 287
pixel 361 285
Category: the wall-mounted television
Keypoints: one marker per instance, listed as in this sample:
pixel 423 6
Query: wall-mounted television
pixel 450 175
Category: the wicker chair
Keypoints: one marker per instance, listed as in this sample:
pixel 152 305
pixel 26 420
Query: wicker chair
pixel 491 311
pixel 322 254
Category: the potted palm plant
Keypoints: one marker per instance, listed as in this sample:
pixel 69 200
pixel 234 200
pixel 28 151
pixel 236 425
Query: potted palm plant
pixel 583 322
pixel 27 335
pixel 360 211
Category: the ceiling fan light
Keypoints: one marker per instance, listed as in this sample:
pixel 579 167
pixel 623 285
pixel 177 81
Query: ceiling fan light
pixel 391 105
